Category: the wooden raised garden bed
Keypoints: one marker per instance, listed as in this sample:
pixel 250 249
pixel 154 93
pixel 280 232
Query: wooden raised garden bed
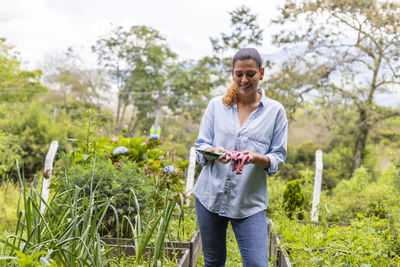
pixel 188 252
pixel 274 250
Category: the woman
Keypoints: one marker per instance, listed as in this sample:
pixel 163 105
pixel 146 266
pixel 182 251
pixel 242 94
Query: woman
pixel 246 121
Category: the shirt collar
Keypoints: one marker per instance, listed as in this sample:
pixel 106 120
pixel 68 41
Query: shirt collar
pixel 263 100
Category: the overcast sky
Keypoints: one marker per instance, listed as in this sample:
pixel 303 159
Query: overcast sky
pixel 39 27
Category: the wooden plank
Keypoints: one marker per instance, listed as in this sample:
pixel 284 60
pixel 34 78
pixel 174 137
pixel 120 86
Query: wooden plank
pixel 196 249
pixel 317 185
pixel 48 168
pixel 180 253
pixel 272 242
pixel 273 248
pixel 193 247
pixel 185 260
pixel 285 261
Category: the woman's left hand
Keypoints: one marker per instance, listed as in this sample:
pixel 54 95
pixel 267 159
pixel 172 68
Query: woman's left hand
pixel 251 154
pixel 259 160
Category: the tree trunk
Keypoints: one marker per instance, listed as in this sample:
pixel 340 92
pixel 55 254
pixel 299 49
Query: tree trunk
pixel 121 119
pixel 361 140
pixel 132 127
pixel 116 129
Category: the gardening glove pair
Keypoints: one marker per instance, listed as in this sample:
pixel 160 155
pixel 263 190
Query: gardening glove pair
pixel 238 160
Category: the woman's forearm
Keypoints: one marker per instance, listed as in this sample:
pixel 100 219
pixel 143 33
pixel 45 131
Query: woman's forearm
pixel 260 161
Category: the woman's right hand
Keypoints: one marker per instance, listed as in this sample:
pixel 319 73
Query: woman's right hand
pixel 221 158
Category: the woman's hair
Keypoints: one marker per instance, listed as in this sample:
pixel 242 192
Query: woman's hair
pixel 230 96
pixel 247 53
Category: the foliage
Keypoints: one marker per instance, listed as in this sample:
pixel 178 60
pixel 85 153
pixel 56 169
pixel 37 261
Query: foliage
pixel 149 80
pixel 348 52
pixel 8 206
pixel 141 151
pixel 362 195
pixel 276 186
pixel 293 198
pixel 33 129
pixel 9 152
pixel 68 228
pixel 299 157
pixel 122 165
pixel 66 75
pixel 36 260
pixel 245 32
pixel 16 85
pixel 366 242
pixel 107 181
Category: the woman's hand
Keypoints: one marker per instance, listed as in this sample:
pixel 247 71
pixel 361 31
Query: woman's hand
pixel 252 156
pixel 259 160
pixel 221 158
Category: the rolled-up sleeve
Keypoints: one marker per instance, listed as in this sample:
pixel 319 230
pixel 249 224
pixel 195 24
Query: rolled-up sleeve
pixel 278 148
pixel 206 133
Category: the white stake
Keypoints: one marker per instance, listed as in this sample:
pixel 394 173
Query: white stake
pixel 317 185
pixel 191 169
pixel 48 167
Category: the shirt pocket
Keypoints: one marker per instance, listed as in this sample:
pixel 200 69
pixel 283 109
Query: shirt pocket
pixel 257 144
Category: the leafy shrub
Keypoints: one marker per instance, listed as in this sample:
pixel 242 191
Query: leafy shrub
pixel 121 165
pixel 9 152
pixel 67 231
pixel 293 198
pixel 108 181
pixel 362 195
pixel 276 186
pixel 367 241
pixel 33 129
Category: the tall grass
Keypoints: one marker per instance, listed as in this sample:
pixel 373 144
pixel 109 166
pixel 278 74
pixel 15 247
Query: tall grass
pixel 8 205
pixel 67 233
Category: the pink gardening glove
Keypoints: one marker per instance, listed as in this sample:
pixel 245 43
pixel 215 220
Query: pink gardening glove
pixel 238 160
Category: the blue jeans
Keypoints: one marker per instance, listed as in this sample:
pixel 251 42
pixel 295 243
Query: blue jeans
pixel 251 234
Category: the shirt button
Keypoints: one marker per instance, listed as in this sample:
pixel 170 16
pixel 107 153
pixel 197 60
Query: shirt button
pixel 238 135
pixel 229 178
pixel 225 192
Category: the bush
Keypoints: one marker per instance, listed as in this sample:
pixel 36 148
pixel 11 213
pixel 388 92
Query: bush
pixel 362 195
pixel 107 181
pixel 32 130
pixel 117 166
pixel 9 152
pixel 293 198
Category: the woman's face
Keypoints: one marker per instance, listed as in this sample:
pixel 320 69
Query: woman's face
pixel 246 75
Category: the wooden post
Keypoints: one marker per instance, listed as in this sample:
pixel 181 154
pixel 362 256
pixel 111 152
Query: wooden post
pixel 48 167
pixel 317 185
pixel 191 170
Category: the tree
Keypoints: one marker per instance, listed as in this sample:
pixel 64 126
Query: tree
pixel 190 84
pixel 245 33
pixel 66 73
pixel 347 51
pixel 137 59
pixel 150 80
pixel 16 85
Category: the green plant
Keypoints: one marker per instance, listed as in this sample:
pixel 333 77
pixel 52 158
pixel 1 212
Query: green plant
pixel 9 152
pixel 366 241
pixel 36 260
pixel 293 198
pixel 67 230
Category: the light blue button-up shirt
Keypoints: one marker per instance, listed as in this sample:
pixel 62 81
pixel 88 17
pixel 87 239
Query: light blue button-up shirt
pixel 264 132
